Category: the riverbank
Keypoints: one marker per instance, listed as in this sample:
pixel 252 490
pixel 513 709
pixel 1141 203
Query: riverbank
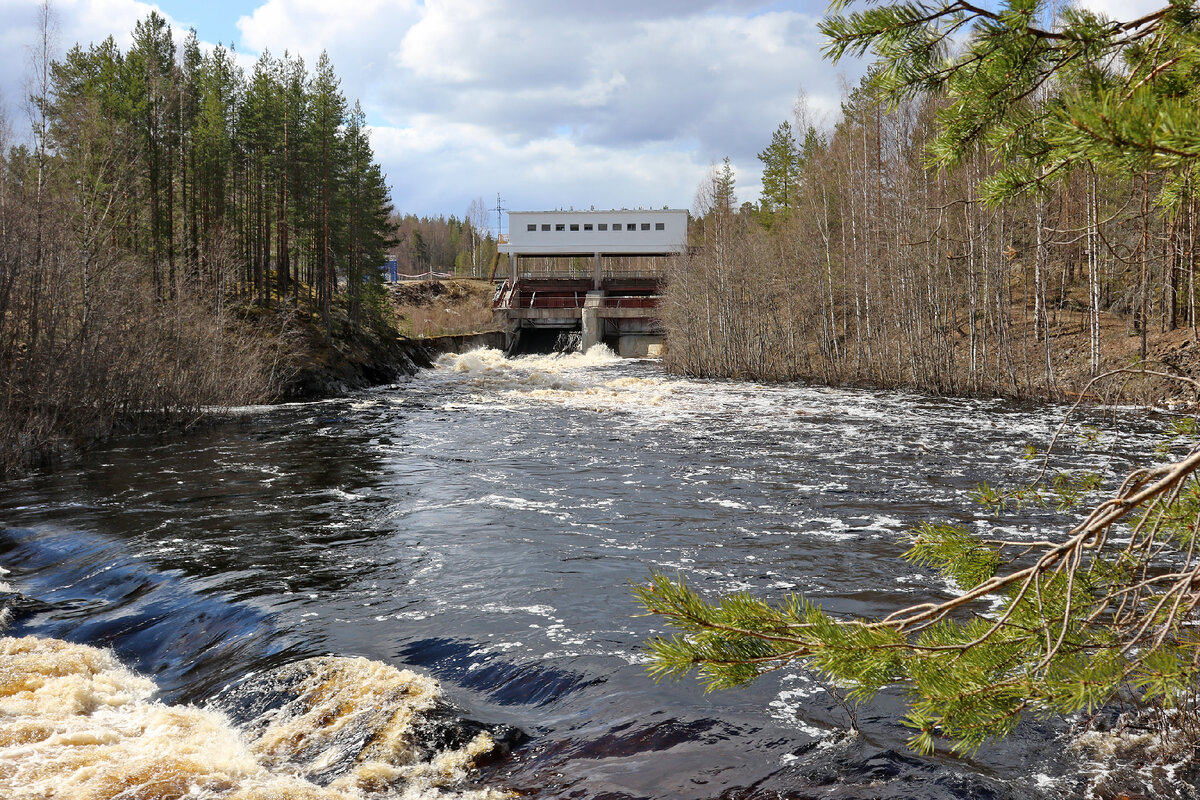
pixel 421 320
pixel 780 333
pixel 162 372
pixel 439 308
pixel 334 369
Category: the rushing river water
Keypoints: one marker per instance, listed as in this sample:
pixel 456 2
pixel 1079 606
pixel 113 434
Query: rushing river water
pixel 268 580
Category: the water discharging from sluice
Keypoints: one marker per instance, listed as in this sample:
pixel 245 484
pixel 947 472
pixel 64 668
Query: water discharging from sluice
pixel 568 342
pixel 278 593
pixel 544 341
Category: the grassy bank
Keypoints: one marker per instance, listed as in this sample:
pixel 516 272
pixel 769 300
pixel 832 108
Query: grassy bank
pixel 437 308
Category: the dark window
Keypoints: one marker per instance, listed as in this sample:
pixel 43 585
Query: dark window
pixel 531 227
pixel 645 226
pixel 632 226
pixel 545 227
pixel 574 226
pixel 602 226
pixel 560 227
pixel 587 226
pixel 660 226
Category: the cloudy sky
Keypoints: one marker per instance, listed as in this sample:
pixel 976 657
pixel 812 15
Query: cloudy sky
pixel 549 103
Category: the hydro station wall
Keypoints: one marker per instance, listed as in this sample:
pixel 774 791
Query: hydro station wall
pixel 579 233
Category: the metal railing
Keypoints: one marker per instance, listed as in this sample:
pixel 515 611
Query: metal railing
pixel 631 301
pixel 542 300
pixel 507 296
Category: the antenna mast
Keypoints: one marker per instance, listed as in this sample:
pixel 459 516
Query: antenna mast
pixel 499 216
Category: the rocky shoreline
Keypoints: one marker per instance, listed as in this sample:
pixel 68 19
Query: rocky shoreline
pixel 369 361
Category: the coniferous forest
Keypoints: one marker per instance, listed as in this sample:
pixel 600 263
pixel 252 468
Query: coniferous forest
pixel 173 229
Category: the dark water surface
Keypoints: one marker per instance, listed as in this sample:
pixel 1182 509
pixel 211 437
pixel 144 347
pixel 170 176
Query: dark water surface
pixel 482 524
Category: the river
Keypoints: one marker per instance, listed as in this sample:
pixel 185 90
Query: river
pixel 264 582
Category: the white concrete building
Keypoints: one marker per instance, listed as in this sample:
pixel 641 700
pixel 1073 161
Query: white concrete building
pixel 598 233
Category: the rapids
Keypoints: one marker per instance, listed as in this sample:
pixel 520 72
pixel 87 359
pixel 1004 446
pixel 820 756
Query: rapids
pixel 75 723
pixel 423 590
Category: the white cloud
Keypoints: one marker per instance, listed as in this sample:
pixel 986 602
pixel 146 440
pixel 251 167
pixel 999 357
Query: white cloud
pixel 1124 10
pixel 621 88
pixel 540 173
pixel 549 103
pixel 72 21
pixel 625 102
pixel 358 35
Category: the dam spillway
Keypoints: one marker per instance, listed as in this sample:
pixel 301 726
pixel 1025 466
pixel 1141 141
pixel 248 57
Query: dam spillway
pixel 596 272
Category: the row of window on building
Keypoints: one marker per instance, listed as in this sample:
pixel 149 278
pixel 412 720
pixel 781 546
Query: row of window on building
pixel 600 226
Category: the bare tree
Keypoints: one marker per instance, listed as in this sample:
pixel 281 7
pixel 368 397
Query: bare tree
pixel 477 220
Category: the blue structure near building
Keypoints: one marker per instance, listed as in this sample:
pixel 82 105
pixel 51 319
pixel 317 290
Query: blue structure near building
pixel 391 271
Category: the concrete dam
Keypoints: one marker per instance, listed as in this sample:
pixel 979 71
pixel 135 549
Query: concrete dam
pixel 594 274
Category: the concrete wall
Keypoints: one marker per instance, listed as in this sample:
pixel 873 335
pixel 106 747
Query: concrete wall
pixel 434 346
pixel 640 346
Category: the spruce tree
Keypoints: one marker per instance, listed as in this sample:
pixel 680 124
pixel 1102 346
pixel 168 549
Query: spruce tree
pixel 781 172
pixel 368 211
pixel 323 142
pixel 150 76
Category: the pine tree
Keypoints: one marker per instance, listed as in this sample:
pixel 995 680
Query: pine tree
pixel 369 230
pixel 1071 627
pixel 190 70
pixel 781 172
pixel 324 144
pixel 1044 94
pixel 257 137
pixel 150 76
pixel 219 86
pixel 290 168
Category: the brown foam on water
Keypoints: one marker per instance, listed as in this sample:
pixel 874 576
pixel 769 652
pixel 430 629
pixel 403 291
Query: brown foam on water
pixel 363 713
pixel 75 724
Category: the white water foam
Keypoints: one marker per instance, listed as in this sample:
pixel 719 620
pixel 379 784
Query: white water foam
pixel 75 724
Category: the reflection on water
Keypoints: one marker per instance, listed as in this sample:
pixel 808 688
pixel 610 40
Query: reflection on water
pixel 481 525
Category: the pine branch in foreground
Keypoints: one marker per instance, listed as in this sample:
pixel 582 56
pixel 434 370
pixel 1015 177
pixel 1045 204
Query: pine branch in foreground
pixel 1044 627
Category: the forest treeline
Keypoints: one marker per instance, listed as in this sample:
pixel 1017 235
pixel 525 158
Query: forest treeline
pixel 172 231
pixel 464 247
pixel 862 263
